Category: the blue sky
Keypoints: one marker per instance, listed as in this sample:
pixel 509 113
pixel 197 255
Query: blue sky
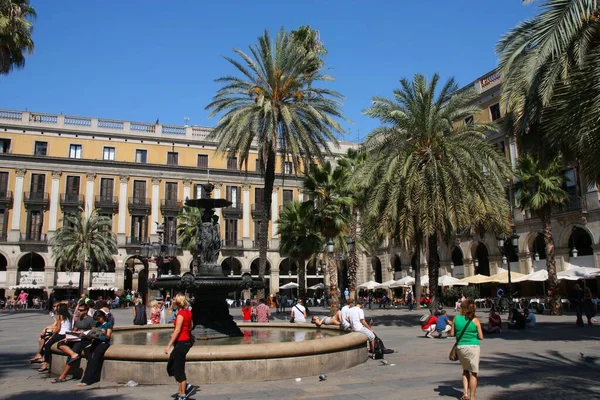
pixel 146 59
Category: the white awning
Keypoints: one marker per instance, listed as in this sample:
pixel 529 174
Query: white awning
pixel 290 285
pixel 17 287
pixel 103 288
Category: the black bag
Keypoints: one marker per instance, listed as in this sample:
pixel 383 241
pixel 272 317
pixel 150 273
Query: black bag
pixel 379 347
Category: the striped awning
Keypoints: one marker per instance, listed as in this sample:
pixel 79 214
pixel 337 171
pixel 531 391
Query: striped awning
pixel 103 288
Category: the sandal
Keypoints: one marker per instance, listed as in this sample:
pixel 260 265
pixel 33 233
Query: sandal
pixel 82 384
pixel 465 397
pixel 36 360
pixel 44 369
pixel 74 360
pixel 58 380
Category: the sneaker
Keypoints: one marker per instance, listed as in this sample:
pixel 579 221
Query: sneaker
pixel 188 388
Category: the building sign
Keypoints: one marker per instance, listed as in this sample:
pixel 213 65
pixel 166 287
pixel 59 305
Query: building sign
pixel 28 278
pixel 490 79
pixel 458 272
pixel 101 278
pixel 63 278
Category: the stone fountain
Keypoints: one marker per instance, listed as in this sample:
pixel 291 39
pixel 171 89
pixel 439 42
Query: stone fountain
pixel 208 286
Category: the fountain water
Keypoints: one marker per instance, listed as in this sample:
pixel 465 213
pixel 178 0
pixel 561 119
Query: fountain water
pixel 209 286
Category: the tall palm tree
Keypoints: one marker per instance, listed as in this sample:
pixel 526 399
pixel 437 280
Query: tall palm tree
pixel 81 242
pixel 272 105
pixel 325 188
pixel 539 190
pixel 299 238
pixel 350 164
pixel 15 33
pixel 550 66
pixel 433 174
pixel 188 222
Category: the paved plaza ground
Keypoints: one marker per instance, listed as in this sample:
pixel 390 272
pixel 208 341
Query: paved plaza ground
pixel 543 363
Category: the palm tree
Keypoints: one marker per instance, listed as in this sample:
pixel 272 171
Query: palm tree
pixel 350 164
pixel 432 174
pixel 330 212
pixel 274 106
pixel 539 190
pixel 188 222
pixel 550 66
pixel 299 239
pixel 81 240
pixel 15 33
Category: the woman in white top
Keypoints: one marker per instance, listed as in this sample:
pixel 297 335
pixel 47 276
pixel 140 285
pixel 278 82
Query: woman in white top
pixel 64 324
pixel 298 312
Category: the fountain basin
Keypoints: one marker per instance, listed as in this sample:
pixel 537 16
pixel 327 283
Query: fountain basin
pixel 147 364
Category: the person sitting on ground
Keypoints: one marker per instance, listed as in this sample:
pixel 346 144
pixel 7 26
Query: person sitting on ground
pixel 494 322
pixel 298 312
pixel 101 335
pixel 517 320
pixel 263 313
pixel 72 345
pixel 530 319
pixel 429 326
pixel 139 313
pixel 247 311
pixel 459 302
pixel 155 309
pixel 443 324
pixel 358 324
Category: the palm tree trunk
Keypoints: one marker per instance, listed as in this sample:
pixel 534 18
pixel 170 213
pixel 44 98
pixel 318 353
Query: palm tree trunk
pixel 263 235
pixel 332 271
pixel 352 258
pixel 301 281
pixel 555 305
pixel 418 271
pixel 433 265
pixel 81 278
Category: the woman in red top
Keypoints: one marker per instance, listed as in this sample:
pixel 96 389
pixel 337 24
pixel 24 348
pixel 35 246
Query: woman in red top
pixel 247 311
pixel 181 338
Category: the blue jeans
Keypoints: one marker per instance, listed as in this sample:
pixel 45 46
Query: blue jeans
pixel 410 306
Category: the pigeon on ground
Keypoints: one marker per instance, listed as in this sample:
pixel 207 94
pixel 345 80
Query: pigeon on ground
pixel 384 362
pixel 322 377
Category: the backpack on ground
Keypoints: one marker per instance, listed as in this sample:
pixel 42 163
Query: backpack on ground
pixel 379 348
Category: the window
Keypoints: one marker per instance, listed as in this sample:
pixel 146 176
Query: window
pixel 256 232
pixel 171 191
pixel 203 160
pixel 3 223
pixel 4 145
pixel 108 154
pixel 231 232
pixel 259 196
pixel 172 158
pixel 3 185
pixel 141 156
pixel 501 147
pixel 107 228
pixel 170 224
pixel 495 111
pixel 107 186
pixel 139 190
pixel 72 190
pixel 287 167
pixel 40 148
pixel 233 195
pixel 469 120
pixel 257 165
pixel 199 192
pixel 139 228
pixel 38 183
pixel 288 196
pixel 232 163
pixel 75 151
pixel 34 225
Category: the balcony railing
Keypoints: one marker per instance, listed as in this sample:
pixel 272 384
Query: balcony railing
pixel 235 209
pixel 36 198
pixel 256 244
pixel 573 204
pixel 3 238
pixel 136 241
pixel 71 200
pixel 233 244
pixel 33 238
pixel 257 209
pixel 6 198
pixel 139 203
pixel 171 205
pixel 103 201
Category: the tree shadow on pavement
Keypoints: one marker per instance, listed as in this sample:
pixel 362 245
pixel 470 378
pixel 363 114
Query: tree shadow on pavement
pixel 550 331
pixel 12 361
pixel 74 395
pixel 538 376
pixel 406 320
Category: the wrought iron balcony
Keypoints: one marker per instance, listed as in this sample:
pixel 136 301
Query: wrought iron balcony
pixel 40 199
pixel 6 198
pixel 104 201
pixel 256 244
pixel 257 209
pixel 33 238
pixel 172 205
pixel 72 200
pixel 140 204
pixel 232 244
pixel 234 209
pixel 136 241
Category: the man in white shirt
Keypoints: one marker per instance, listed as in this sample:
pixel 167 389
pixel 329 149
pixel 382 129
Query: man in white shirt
pixel 345 321
pixel 358 323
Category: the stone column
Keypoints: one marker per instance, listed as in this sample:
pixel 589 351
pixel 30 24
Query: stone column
pixel 49 277
pixel 90 180
pixel 187 183
pixel 496 264
pixel 155 207
pixel 121 234
pixel 54 200
pixel 274 281
pixel 275 217
pixel 120 273
pixel 15 228
pixel 217 195
pixel 246 216
pixel 301 196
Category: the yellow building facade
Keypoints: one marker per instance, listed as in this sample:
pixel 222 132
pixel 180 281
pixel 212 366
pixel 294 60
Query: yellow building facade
pixel 138 174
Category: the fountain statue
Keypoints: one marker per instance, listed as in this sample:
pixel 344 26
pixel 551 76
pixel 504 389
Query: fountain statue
pixel 208 285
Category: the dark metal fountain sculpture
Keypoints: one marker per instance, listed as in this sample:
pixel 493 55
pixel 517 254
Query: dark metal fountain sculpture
pixel 208 285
